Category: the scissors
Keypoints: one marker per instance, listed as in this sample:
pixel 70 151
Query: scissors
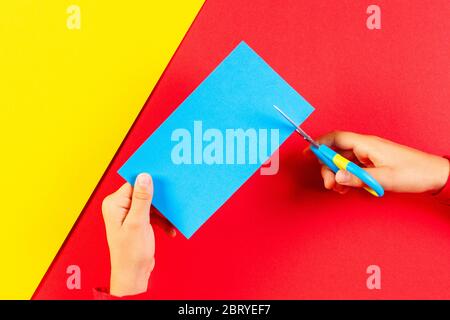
pixel 336 162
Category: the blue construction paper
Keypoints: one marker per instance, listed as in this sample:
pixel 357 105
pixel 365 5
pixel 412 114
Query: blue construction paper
pixel 239 93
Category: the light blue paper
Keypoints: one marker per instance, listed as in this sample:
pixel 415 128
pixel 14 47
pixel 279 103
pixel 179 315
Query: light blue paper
pixel 239 93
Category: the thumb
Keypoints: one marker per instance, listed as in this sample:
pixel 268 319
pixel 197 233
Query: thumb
pixel 142 197
pixel 345 178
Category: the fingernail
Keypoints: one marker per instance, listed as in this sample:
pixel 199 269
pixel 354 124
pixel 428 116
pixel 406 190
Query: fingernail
pixel 343 176
pixel 143 179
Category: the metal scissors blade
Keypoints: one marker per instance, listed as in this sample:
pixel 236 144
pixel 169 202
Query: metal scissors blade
pixel 297 128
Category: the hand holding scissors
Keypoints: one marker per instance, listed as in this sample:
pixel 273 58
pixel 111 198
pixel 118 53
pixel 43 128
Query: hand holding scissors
pixel 336 162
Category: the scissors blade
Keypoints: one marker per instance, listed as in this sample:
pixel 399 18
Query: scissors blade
pixel 297 128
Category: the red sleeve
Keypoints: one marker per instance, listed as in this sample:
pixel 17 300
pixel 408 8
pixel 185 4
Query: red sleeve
pixel 103 294
pixel 444 194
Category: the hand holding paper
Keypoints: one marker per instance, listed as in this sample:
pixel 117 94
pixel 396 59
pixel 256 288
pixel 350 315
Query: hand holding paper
pixel 130 236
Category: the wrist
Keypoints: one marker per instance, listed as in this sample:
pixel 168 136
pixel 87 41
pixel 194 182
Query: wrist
pixel 126 283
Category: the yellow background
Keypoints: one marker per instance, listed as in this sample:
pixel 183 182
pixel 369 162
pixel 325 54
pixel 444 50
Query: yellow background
pixel 67 99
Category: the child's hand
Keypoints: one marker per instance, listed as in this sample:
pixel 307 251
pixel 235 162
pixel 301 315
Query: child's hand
pixel 396 167
pixel 130 236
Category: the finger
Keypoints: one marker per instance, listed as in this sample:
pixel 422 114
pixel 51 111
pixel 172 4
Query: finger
pixel 124 191
pixel 341 189
pixel 115 206
pixel 382 175
pixel 123 196
pixel 362 145
pixel 164 224
pixel 341 139
pixel 348 154
pixel 141 199
pixel 307 152
pixel 328 177
pixel 124 203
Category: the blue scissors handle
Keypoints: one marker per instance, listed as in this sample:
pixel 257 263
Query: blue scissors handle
pixel 335 162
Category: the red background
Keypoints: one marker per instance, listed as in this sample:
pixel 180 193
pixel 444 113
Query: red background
pixel 284 236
